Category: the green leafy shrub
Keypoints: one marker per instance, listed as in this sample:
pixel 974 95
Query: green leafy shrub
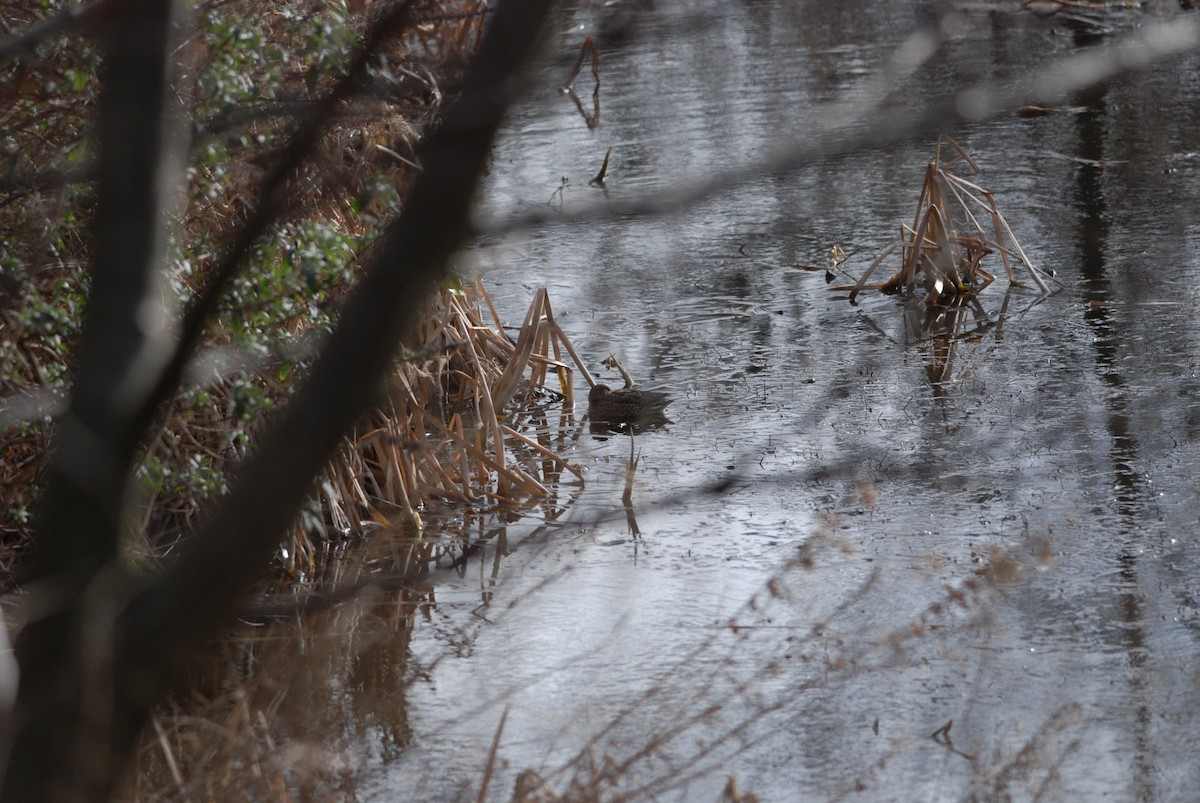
pixel 249 74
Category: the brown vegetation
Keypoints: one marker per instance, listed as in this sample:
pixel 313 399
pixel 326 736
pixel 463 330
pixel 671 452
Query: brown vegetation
pixel 946 243
pixel 259 253
pixel 244 100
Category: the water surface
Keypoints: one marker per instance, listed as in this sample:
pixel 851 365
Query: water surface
pixel 996 531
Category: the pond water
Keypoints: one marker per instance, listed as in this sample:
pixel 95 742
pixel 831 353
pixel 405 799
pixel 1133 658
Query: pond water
pixel 870 560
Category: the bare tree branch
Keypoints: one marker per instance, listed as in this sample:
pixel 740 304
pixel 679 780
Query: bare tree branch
pixel 199 589
pixel 66 20
pixel 271 199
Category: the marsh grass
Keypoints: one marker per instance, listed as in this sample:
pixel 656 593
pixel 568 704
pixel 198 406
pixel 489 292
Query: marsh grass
pixel 277 708
pixel 296 697
pixel 751 679
pixel 471 427
pixel 445 432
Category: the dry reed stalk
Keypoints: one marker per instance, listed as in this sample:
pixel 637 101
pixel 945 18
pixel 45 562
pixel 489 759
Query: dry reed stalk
pixel 506 386
pixel 491 760
pixel 630 471
pixel 168 752
pixel 531 787
pixel 247 732
pixel 935 252
pixel 543 450
pixel 455 434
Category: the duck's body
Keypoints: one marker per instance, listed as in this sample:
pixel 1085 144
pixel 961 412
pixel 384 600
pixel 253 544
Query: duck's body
pixel 626 406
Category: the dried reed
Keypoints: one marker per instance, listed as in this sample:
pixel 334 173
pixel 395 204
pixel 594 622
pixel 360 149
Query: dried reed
pixel 443 432
pixel 947 242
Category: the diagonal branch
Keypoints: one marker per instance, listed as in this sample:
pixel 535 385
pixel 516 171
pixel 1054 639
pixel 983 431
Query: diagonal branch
pixel 122 349
pixel 91 671
pixel 68 19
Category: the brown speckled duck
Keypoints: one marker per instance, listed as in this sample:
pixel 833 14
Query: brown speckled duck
pixel 625 408
pixel 626 405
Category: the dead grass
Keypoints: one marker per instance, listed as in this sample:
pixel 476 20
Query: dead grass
pixel 270 719
pixel 740 679
pixel 446 432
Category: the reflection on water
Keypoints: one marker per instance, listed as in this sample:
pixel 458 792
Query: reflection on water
pixel 922 557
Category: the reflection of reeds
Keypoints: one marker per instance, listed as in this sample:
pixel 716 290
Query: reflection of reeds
pixel 588 49
pixel 947 242
pixel 261 722
pixel 443 433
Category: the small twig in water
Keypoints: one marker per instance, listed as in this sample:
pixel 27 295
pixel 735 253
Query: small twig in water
pixel 630 471
pixel 491 762
pixel 942 734
pixel 598 181
pixel 593 119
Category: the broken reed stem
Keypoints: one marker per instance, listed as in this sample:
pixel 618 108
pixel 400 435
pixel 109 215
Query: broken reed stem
pixel 487 409
pixel 507 384
pixel 491 761
pixel 480 292
pixel 588 48
pixel 630 471
pixel 561 370
pixel 861 284
pixel 543 451
pixel 566 344
pixel 1033 270
pixel 168 753
pixel 537 374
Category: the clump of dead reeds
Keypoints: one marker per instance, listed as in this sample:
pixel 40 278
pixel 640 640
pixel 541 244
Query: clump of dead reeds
pixel 450 428
pixel 943 249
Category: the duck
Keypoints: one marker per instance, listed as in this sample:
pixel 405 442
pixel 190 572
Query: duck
pixel 627 409
pixel 628 405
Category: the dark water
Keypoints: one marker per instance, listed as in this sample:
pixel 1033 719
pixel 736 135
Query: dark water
pixel 998 530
